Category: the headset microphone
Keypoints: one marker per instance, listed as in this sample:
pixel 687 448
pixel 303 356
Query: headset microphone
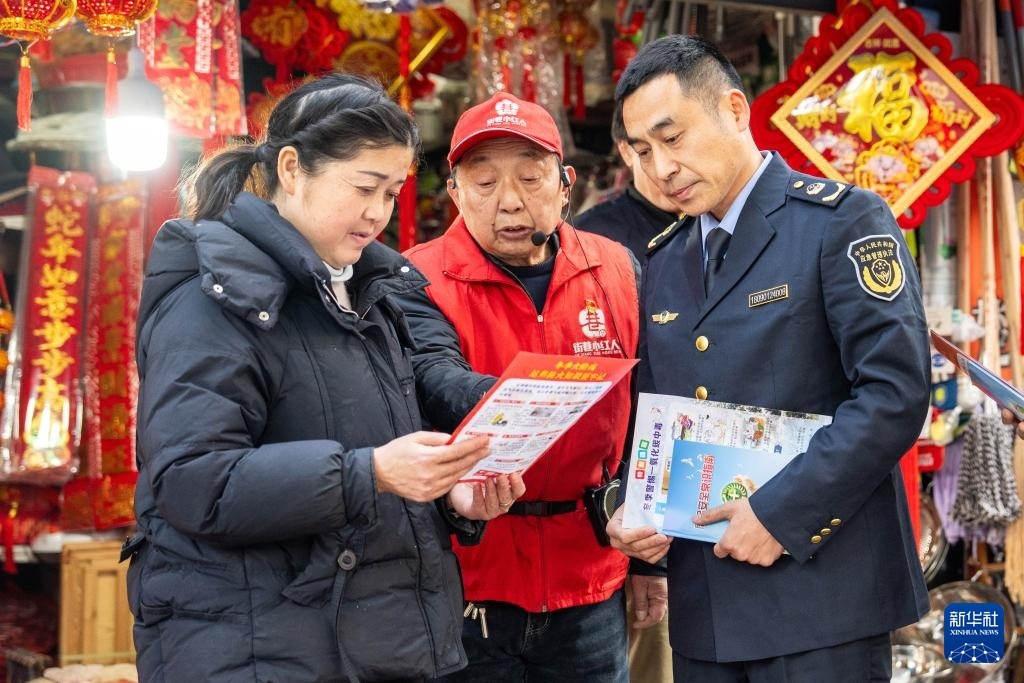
pixel 539 237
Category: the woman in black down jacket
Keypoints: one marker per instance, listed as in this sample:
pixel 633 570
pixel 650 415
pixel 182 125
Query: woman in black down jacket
pixel 293 524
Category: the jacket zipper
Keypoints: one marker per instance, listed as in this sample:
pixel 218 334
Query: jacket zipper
pixel 540 316
pixel 540 526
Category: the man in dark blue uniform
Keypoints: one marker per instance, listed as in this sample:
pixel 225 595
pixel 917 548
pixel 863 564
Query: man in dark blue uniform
pixel 792 292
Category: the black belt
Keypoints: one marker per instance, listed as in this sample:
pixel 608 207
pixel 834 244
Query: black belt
pixel 542 508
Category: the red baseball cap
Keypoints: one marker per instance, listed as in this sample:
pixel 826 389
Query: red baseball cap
pixel 504 115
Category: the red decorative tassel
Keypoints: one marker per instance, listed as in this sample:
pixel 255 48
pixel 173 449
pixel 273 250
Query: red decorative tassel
pixel 581 100
pixel 110 110
pixel 8 539
pixel 404 36
pixel 25 94
pixel 529 85
pixel 407 213
pixel 567 85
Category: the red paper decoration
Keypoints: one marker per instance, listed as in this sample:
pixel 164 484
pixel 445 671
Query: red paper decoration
pixel 193 52
pixel 875 101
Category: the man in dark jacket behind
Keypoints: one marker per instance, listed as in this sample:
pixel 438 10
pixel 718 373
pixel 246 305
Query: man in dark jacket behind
pixel 638 213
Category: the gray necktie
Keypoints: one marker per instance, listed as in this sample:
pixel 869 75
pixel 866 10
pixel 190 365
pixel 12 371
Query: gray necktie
pixel 716 244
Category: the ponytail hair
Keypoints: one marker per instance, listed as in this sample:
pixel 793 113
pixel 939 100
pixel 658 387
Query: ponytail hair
pixel 333 118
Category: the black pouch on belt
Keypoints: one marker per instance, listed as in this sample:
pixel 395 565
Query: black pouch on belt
pixel 600 505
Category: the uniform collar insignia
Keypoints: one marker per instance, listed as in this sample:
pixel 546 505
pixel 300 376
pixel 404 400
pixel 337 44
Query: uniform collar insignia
pixel 664 234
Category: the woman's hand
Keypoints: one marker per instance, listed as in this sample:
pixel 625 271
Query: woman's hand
pixel 486 499
pixel 422 467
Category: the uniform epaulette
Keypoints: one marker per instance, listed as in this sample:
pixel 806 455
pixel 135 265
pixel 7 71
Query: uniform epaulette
pixel 817 190
pixel 662 236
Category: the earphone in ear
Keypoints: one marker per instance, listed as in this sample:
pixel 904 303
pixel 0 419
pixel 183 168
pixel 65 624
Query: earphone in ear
pixel 564 174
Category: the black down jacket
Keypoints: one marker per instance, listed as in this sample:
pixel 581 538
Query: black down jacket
pixel 265 552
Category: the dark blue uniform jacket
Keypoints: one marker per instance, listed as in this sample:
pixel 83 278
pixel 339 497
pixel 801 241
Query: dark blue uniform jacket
pixel 818 309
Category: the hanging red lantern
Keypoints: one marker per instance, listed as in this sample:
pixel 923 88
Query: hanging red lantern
pixel 28 21
pixel 113 19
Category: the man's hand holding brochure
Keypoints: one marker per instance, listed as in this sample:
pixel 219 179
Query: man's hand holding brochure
pixel 690 456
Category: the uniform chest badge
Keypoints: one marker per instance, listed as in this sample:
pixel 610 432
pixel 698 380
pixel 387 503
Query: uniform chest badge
pixel 766 296
pixel 879 266
pixel 664 317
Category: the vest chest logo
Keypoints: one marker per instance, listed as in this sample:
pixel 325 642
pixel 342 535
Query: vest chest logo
pixel 878 265
pixel 595 332
pixel 592 320
pixel 766 296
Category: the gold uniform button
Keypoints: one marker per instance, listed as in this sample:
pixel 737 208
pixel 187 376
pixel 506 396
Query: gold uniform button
pixel 702 343
pixel 701 393
pixel 798 184
pixel 826 531
pixel 836 521
pixel 815 539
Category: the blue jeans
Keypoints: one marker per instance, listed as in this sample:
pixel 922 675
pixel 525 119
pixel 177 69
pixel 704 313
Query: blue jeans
pixel 586 643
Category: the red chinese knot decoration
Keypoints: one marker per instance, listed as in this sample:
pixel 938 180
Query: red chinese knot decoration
pixel 29 21
pixel 876 102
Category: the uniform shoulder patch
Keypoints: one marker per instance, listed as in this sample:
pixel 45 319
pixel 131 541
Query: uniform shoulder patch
pixel 817 190
pixel 663 236
pixel 878 265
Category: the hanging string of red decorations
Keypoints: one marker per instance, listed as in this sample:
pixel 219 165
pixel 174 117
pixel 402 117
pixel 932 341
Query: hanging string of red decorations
pixel 875 101
pixel 578 37
pixel 6 327
pixel 113 19
pixel 29 21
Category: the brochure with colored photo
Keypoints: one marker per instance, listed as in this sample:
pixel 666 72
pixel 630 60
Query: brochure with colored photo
pixel 690 455
pixel 995 387
pixel 534 402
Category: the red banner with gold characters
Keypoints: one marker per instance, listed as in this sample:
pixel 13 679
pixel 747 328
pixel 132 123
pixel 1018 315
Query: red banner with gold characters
pixel 101 496
pixel 193 52
pixel 876 102
pixel 42 427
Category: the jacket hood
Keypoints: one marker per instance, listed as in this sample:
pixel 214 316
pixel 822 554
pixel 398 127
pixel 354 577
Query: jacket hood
pixel 250 259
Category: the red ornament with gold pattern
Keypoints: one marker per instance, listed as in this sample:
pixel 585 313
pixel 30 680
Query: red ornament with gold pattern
pixel 28 21
pixel 114 18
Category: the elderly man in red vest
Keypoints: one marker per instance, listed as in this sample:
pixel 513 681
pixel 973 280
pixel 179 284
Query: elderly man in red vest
pixel 511 275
